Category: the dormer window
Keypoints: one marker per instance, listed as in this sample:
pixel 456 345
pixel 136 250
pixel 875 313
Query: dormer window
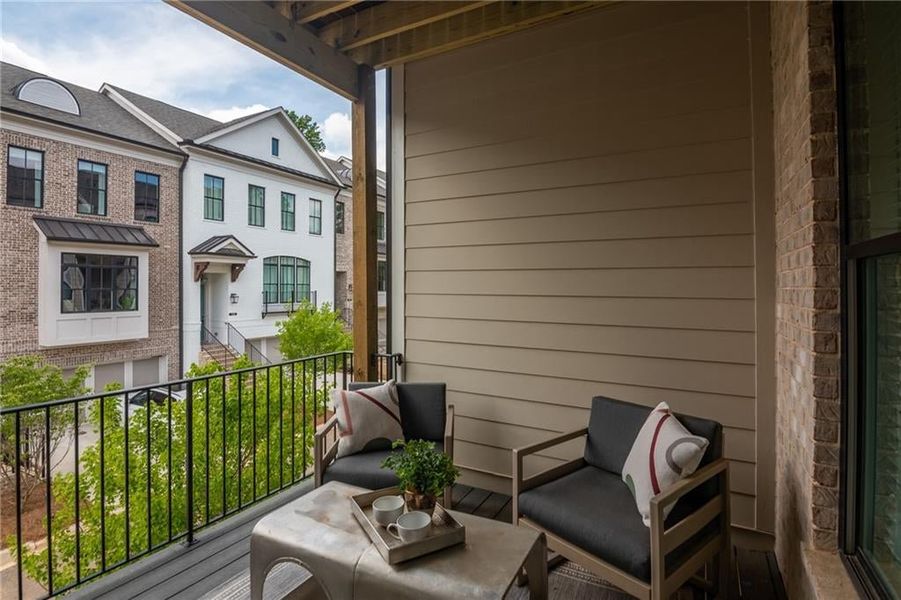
pixel 274 146
pixel 49 93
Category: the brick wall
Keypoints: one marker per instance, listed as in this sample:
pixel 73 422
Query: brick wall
pixel 807 267
pixel 344 297
pixel 19 253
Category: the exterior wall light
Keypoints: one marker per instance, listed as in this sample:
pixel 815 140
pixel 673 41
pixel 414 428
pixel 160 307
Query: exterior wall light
pixel 233 298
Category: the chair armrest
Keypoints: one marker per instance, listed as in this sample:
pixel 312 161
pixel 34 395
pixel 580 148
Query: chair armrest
pixel 664 539
pixel 321 456
pixel 519 485
pixel 554 441
pixel 449 431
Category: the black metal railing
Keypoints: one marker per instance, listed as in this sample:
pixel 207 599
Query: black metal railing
pixel 242 345
pixel 154 465
pixel 214 347
pixel 274 304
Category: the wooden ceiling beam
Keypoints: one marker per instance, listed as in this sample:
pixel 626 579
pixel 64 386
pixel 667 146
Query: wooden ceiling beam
pixel 257 25
pixel 491 20
pixel 306 12
pixel 384 20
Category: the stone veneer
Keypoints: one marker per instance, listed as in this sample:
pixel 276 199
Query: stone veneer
pixel 807 303
pixel 19 253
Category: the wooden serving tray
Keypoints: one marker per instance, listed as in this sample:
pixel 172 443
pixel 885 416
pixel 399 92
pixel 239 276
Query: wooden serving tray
pixel 446 531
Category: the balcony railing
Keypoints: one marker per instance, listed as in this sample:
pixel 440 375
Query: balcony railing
pixel 274 305
pixel 154 465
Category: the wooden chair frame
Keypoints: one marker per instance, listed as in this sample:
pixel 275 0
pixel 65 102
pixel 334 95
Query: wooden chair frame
pixel 663 540
pixel 324 454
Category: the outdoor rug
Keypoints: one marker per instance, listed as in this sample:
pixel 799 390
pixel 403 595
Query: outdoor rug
pixel 567 581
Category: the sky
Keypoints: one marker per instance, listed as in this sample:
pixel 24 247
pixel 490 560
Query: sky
pixel 153 49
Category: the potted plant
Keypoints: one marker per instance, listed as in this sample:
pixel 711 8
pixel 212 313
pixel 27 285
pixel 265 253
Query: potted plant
pixel 422 471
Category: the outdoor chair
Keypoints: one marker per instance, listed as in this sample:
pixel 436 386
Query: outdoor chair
pixel 424 415
pixel 589 515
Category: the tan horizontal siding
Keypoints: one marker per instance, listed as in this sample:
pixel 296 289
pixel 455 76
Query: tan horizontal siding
pixel 579 221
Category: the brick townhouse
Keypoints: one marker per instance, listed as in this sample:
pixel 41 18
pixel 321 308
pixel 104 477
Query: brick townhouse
pixel 89 230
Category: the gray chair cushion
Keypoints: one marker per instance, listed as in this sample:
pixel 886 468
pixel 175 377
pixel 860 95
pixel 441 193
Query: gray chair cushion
pixel 614 425
pixel 423 409
pixel 594 510
pixel 364 469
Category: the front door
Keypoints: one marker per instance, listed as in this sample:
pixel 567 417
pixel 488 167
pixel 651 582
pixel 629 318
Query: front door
pixel 203 295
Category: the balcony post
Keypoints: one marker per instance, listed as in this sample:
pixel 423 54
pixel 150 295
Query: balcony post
pixel 364 227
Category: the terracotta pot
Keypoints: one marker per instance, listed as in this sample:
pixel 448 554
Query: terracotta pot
pixel 423 502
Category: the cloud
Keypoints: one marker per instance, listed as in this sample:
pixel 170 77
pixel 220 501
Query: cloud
pixel 235 112
pixel 147 48
pixel 336 133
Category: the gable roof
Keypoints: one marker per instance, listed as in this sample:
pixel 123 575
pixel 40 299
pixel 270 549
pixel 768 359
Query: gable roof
pixel 185 124
pixel 223 245
pixel 92 232
pixel 99 113
pixel 344 173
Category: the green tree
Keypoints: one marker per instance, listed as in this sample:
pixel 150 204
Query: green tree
pixel 252 434
pixel 309 128
pixel 310 331
pixel 28 380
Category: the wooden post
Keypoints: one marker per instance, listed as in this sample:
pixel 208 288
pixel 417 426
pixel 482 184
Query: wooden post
pixel 364 228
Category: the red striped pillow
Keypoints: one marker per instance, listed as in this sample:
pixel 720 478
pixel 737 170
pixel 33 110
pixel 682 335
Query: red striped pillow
pixel 663 453
pixel 368 419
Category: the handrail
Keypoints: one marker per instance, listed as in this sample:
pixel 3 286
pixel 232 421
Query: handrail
pixel 208 337
pixel 224 442
pixel 253 353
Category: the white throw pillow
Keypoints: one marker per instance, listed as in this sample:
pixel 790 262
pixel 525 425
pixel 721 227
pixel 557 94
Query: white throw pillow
pixel 368 419
pixel 663 453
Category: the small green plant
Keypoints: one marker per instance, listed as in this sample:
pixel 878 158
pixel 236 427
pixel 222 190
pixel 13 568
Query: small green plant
pixel 420 468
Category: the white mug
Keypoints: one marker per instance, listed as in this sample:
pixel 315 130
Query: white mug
pixel 411 527
pixel 387 509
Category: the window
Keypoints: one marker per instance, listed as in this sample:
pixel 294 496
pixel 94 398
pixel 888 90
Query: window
pixel 287 211
pixel 91 188
pixel 99 283
pixel 870 127
pixel 25 177
pixel 316 217
pixel 339 217
pixel 274 146
pixel 213 198
pixel 286 280
pixel 256 206
pixel 382 276
pixel 147 197
pixel 380 226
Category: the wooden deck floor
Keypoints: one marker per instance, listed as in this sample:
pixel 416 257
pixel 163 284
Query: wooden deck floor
pixel 184 572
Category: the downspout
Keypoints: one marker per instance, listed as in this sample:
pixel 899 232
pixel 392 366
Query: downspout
pixel 181 266
pixel 335 248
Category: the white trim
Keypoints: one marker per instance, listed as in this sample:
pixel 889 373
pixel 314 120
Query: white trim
pixel 97 141
pixel 128 105
pixel 205 139
pixel 205 155
pixel 398 220
pixel 289 125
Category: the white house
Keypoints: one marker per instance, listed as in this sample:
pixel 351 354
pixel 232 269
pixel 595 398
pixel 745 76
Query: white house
pixel 258 206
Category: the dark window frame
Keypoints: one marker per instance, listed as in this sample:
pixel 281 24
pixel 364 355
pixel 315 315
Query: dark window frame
pixel 856 260
pixel 211 201
pixel 88 286
pixel 259 209
pixel 157 199
pixel 339 216
pixel 96 190
pixel 292 213
pixel 9 175
pixel 315 219
pixel 381 275
pixel 380 226
pixel 297 263
pixel 274 146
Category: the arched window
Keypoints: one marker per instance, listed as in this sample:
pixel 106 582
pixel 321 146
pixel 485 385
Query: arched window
pixel 49 93
pixel 286 279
